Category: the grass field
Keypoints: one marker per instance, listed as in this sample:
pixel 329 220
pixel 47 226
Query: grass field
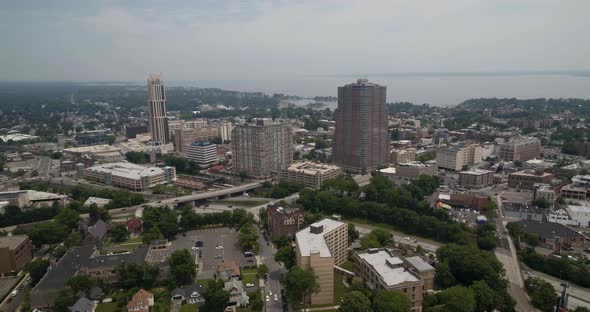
pixel 242 203
pixel 106 307
pixel 339 288
pixel 189 308
pixel 249 276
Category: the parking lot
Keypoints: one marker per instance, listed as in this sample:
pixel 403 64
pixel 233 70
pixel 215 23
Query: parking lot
pixel 218 244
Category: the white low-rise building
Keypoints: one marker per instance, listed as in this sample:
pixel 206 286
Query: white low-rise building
pixel 130 176
pixel 203 153
pixel 579 213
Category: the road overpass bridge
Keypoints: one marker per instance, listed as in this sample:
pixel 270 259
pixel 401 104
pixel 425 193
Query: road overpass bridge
pixel 218 194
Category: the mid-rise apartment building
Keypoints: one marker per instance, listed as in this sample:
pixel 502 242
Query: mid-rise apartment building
pixel 262 148
pixel 320 247
pixel 525 180
pixel 382 269
pixel 476 178
pixel 284 220
pixel 309 174
pixel 186 136
pixel 15 252
pixel 203 153
pixel 130 176
pixel 521 149
pixel 457 156
pixel 403 155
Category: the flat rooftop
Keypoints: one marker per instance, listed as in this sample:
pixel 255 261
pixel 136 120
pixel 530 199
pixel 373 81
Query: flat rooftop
pixel 579 207
pixel 476 172
pixel 312 168
pixel 93 149
pixel 309 242
pixel 36 195
pixel 414 164
pixel 388 170
pixel 127 170
pixel 389 267
pixel 531 173
pixel 12 241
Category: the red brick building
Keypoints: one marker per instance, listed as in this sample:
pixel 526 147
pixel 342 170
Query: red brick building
pixel 284 220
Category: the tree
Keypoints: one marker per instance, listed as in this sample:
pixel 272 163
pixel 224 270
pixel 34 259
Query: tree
pixel 74 239
pixel 286 254
pixel 443 276
pixel 248 237
pixel 355 301
pixel 119 233
pixel 136 157
pixel 37 269
pixel 151 235
pixel 243 175
pixel 391 301
pixel 56 155
pixel 542 294
pixel 48 233
pixel 484 296
pixel 182 267
pixel 68 217
pixel 457 299
pixel 353 234
pixel 137 275
pixel 581 309
pixel 299 283
pixel 65 299
pixel 262 270
pixel 81 283
pixel 256 304
pixel 216 297
pixel 377 238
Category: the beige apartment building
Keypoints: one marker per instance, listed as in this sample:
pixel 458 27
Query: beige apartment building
pixel 320 247
pixel 262 148
pixel 382 269
pixel 309 174
pixel 457 156
pixel 130 176
pixel 403 155
pixel 522 149
pixel 476 178
pixel 15 252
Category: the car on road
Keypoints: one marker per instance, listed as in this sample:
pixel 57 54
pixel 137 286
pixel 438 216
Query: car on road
pixel 218 247
pixel 9 300
pixel 267 299
pixel 249 285
pixel 276 297
pixel 269 292
pixel 407 238
pixel 14 293
pixel 194 248
pixel 218 257
pixel 199 244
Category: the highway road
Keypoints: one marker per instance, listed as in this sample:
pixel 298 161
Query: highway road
pixel 578 296
pixel 506 254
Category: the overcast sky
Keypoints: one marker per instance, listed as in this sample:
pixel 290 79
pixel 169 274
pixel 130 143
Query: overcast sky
pixel 233 40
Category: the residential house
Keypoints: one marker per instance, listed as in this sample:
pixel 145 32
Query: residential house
pixel 83 305
pixel 97 232
pixel 237 295
pixel 134 226
pixel 227 270
pixel 141 301
pixel 191 294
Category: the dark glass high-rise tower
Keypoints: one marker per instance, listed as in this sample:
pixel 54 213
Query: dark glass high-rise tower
pixel 361 141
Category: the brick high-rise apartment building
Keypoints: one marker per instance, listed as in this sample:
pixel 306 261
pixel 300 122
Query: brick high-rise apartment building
pixel 261 148
pixel 361 141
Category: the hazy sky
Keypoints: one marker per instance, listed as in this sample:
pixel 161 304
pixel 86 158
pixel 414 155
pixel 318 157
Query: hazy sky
pixel 237 40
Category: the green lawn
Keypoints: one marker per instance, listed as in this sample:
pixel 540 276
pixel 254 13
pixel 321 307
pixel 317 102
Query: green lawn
pixel 348 265
pixel 249 276
pixel 106 307
pixel 189 308
pixel 339 288
pixel 243 203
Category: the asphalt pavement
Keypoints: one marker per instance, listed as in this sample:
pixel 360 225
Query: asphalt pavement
pixel 267 255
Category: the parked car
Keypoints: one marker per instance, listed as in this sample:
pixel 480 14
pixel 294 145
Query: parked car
pixel 249 285
pixel 267 299
pixel 218 247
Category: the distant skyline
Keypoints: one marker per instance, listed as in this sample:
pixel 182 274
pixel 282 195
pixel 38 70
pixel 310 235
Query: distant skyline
pixel 255 45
